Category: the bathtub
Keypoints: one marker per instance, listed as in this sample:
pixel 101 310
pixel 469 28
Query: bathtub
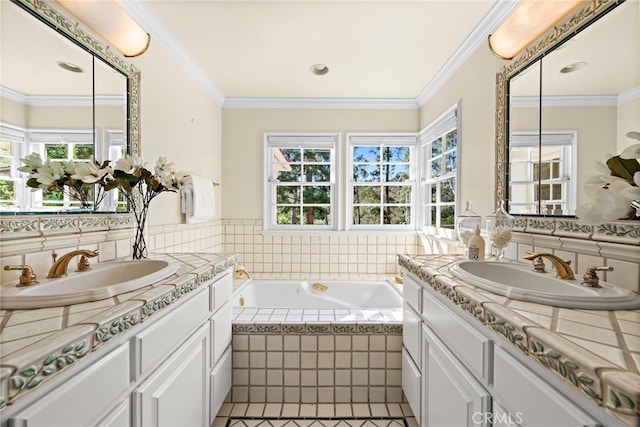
pixel 318 294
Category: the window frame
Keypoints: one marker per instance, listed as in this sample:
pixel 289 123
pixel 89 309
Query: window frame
pixel 440 127
pixel 320 140
pixel 566 141
pixel 408 139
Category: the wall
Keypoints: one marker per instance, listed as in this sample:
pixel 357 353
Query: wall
pixel 327 255
pixel 474 84
pixel 628 120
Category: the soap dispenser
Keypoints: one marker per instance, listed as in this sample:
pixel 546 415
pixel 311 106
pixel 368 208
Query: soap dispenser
pixel 476 246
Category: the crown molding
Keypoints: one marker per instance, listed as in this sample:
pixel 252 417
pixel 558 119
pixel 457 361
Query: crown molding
pixel 61 100
pixel 496 15
pixel 629 95
pixel 576 100
pixel 323 103
pixel 160 34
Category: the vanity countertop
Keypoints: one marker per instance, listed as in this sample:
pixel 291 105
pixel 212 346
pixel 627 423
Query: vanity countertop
pixel 597 352
pixel 36 344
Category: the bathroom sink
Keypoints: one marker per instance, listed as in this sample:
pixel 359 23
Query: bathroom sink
pixel 104 280
pixel 520 282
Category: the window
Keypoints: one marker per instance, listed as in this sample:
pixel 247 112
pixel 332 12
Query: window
pixel 439 146
pixel 60 146
pixel 300 181
pixel 381 181
pixel 540 173
pixel 11 182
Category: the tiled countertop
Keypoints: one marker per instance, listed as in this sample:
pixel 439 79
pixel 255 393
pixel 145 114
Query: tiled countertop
pixel 597 352
pixel 36 344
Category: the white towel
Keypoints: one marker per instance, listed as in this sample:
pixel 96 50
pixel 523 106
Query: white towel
pixel 201 206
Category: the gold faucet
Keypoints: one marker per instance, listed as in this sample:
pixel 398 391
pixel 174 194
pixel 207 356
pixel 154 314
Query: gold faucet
pixel 563 269
pixel 241 272
pixel 28 277
pixel 60 265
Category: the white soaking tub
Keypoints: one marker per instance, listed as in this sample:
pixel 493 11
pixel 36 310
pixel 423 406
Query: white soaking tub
pixel 318 294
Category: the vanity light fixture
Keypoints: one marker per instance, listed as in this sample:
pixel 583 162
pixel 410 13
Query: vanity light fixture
pixel 112 23
pixel 319 69
pixel 529 20
pixel 70 67
pixel 573 67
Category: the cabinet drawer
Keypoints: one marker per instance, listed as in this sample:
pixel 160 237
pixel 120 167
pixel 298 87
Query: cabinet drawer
pixel 532 400
pixel 411 331
pixel 411 383
pixel 412 293
pixel 220 383
pixel 221 291
pixel 86 398
pixel 158 341
pixel 473 348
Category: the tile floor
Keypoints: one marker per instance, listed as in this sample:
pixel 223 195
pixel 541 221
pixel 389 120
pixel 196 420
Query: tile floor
pixel 315 415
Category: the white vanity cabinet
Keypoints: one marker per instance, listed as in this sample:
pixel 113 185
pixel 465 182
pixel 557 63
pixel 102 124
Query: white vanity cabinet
pixel 464 374
pixel 173 368
pixel 451 395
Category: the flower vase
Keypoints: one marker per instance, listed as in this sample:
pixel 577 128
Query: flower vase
pixel 139 242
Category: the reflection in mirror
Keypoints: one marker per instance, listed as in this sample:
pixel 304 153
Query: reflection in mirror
pixel 65 98
pixel 565 117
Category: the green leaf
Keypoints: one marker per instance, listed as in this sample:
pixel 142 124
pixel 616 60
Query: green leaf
pixel 623 168
pixel 614 399
pixel 585 380
pixel 67 349
pixel 626 401
pixel 569 364
pixel 17 382
pixel 552 354
pixel 49 360
pixel 60 363
pixel 83 343
pixel 29 372
pixel 49 370
pixel 36 382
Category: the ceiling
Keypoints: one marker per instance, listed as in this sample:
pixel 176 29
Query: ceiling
pixel 264 49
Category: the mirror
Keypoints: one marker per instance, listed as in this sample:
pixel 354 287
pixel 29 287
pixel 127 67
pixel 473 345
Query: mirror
pixel 553 127
pixel 66 96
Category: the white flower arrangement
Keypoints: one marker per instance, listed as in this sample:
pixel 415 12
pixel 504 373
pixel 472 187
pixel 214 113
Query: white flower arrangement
pixel 614 193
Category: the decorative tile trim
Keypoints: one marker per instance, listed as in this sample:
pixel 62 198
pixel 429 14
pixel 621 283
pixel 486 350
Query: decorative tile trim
pixel 573 229
pixel 27 379
pixel 26 225
pixel 566 368
pixel 316 328
pixel 540 226
pixel 109 330
pixel 623 233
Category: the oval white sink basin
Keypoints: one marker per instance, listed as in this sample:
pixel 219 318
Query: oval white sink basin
pixel 519 282
pixel 104 280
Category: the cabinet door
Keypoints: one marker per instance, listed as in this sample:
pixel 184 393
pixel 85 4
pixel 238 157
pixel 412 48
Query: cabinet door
pixel 178 393
pixel 411 383
pixel 452 397
pixel 221 332
pixel 220 383
pixel 532 400
pixel 411 329
pixel 84 399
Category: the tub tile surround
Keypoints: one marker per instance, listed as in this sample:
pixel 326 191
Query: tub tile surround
pixel 330 255
pixel 596 352
pixel 37 344
pixel 316 355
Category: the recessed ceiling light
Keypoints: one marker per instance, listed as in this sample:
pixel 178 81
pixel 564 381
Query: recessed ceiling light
pixel 573 67
pixel 70 67
pixel 319 69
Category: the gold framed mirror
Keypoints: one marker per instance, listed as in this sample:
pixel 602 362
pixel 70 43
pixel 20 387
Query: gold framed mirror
pixel 92 114
pixel 536 83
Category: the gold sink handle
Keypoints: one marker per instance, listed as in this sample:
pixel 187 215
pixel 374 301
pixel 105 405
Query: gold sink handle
pixel 320 287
